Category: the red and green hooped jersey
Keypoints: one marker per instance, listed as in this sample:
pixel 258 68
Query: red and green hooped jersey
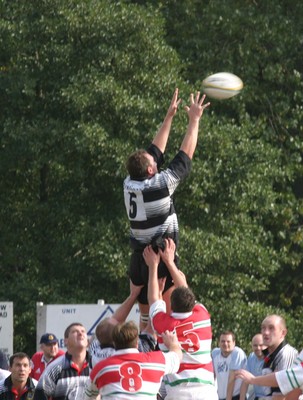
pixel 195 336
pixel 129 374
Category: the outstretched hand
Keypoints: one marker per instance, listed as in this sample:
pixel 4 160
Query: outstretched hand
pixel 174 104
pixel 196 108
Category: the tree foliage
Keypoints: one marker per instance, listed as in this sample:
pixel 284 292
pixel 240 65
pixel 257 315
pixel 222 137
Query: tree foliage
pixel 84 83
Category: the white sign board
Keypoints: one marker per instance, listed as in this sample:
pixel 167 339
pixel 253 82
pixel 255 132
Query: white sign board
pixel 55 318
pixel 6 327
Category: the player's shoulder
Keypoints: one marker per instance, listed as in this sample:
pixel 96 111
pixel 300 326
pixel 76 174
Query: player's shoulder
pixel 33 382
pixel 60 353
pixel 238 349
pixel 37 356
pixel 102 355
pixel 252 356
pixel 287 351
pixel 157 307
pixel 57 365
pixel 3 387
pixel 215 352
pixel 290 348
pixel 239 353
pixel 300 355
pixel 200 307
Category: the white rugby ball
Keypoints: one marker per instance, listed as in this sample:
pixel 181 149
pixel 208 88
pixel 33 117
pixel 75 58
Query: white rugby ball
pixel 222 85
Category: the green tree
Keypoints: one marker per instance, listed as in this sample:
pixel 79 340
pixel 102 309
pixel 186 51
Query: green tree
pixel 84 83
pixel 245 225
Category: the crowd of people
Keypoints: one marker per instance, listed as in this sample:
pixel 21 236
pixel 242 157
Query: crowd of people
pixel 172 359
pixel 170 355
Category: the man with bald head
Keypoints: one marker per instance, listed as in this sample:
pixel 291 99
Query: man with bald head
pixel 278 354
pixel 255 363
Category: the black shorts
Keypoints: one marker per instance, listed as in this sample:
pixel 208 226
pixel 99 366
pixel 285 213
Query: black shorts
pixel 138 274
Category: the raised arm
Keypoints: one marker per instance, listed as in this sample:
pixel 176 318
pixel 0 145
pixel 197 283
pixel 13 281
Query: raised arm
pixel 122 312
pixel 152 261
pixel 262 380
pixel 194 112
pixel 160 140
pixel 168 256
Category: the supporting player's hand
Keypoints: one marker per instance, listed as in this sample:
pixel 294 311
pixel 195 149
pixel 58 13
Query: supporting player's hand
pixel 168 254
pixel 134 289
pixel 171 341
pixel 151 258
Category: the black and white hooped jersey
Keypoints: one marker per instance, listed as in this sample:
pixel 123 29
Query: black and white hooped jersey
pixel 149 204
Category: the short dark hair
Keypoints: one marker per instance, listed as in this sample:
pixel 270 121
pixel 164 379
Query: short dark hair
pixel 67 330
pixel 182 299
pixel 137 164
pixel 125 335
pixel 227 333
pixel 19 355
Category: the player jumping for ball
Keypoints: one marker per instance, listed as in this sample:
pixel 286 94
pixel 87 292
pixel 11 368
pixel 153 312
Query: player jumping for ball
pixel 148 195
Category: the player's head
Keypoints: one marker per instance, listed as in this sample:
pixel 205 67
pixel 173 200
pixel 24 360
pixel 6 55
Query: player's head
pixel 141 165
pixel 126 335
pixel 257 345
pixel 49 345
pixel 227 342
pixel 274 330
pixel 182 299
pixel 20 367
pixel 104 331
pixel 18 356
pixel 75 337
pixel 70 328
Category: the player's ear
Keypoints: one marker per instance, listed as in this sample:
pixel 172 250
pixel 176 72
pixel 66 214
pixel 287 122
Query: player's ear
pixel 150 170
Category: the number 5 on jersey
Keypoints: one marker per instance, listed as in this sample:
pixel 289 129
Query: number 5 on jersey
pixel 188 339
pixel 132 209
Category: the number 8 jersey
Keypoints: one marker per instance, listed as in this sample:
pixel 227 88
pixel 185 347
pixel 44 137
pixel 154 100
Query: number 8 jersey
pixel 129 374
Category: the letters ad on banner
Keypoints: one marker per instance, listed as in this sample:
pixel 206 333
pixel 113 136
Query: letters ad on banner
pixel 55 318
pixel 6 327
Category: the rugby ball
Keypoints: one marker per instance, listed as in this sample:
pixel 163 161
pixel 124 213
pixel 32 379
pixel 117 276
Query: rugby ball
pixel 222 85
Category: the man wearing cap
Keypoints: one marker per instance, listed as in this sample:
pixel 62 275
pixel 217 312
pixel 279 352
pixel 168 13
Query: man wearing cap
pixel 49 352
